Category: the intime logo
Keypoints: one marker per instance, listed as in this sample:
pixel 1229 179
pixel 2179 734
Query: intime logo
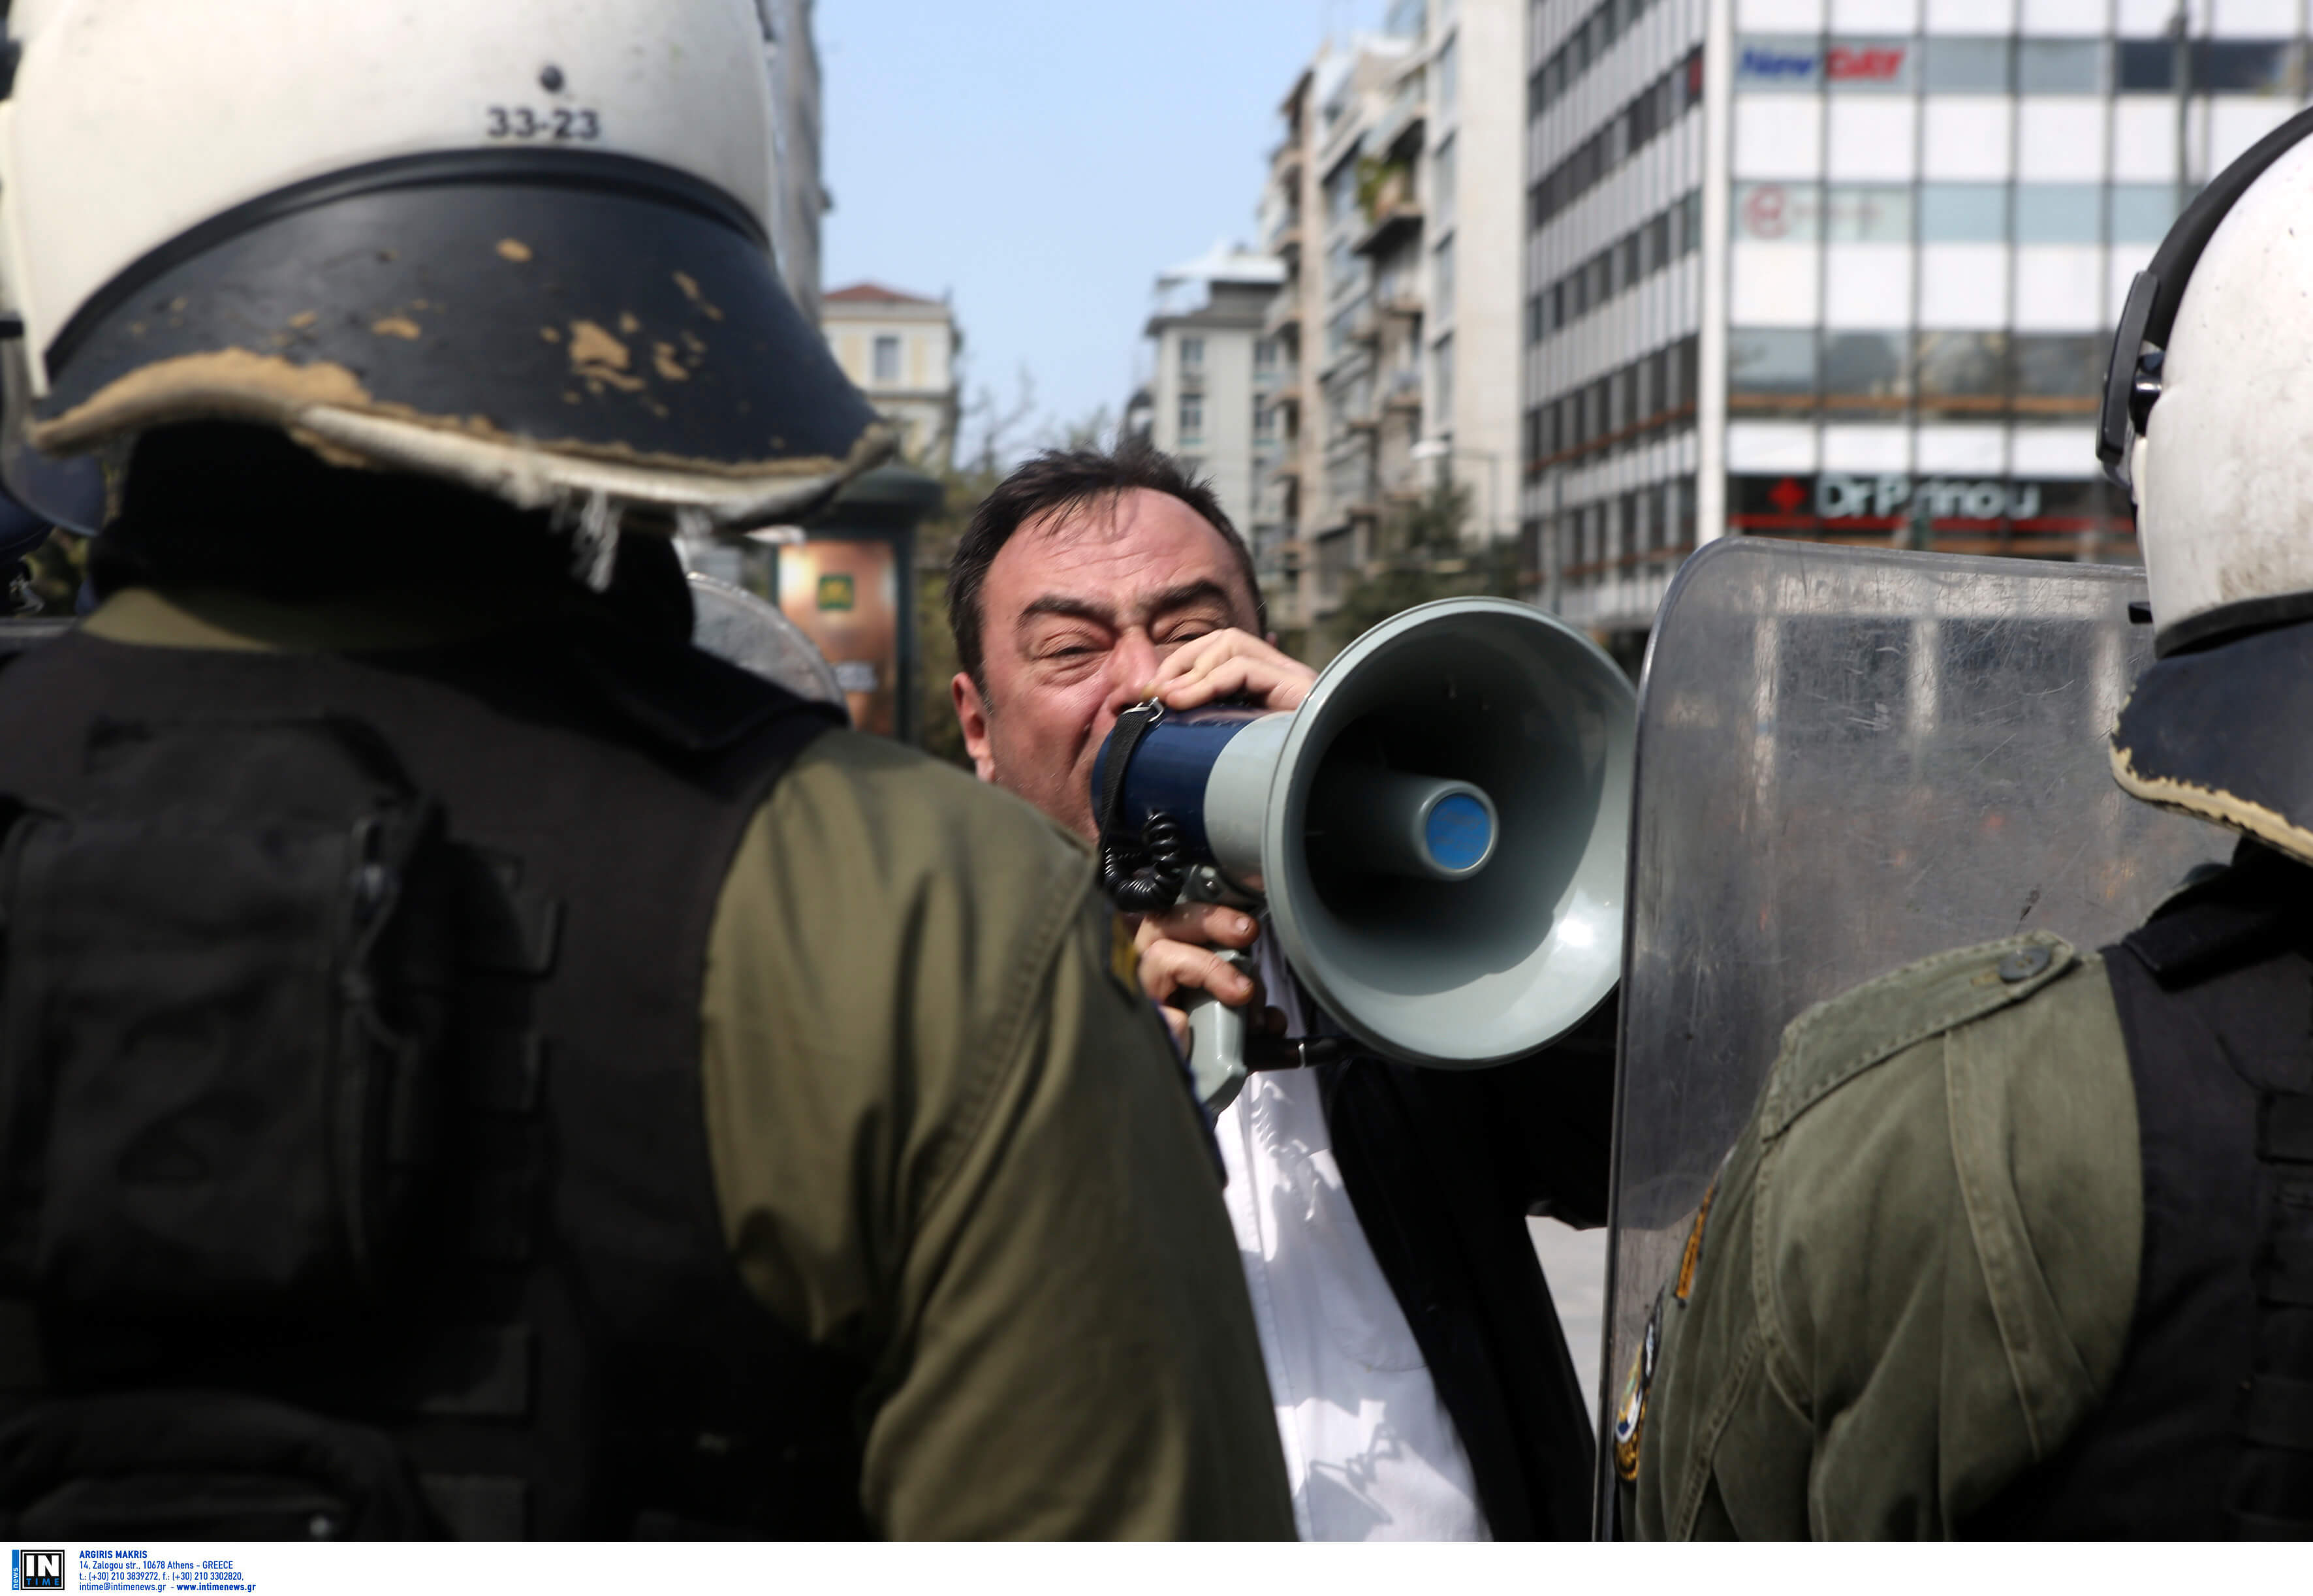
pixel 36 1571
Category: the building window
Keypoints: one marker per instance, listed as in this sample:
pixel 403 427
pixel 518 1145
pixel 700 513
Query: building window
pixel 1193 466
pixel 1964 213
pixel 1264 354
pixel 1962 373
pixel 2218 65
pixel 1442 374
pixel 1867 373
pixel 1449 77
pixel 2059 67
pixel 2246 66
pixel 1264 423
pixel 1192 418
pixel 1875 216
pixel 2141 213
pixel 1341 188
pixel 2059 371
pixel 1441 187
pixel 1967 65
pixel 2145 65
pixel 1771 368
pixel 887 358
pixel 1192 354
pixel 2060 214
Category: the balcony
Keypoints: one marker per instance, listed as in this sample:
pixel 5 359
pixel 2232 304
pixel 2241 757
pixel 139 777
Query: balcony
pixel 1400 303
pixel 1403 392
pixel 1397 135
pixel 1285 165
pixel 1395 223
pixel 1284 317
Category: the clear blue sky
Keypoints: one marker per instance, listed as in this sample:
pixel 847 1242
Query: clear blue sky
pixel 1043 160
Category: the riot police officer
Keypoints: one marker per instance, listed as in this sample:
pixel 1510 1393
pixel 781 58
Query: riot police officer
pixel 2019 1238
pixel 473 1063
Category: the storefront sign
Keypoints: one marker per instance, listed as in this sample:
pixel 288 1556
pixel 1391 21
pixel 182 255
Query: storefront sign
pixel 1763 64
pixel 1864 64
pixel 1802 213
pixel 1844 502
pixel 1802 62
pixel 1839 497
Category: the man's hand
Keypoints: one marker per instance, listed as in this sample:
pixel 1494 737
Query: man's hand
pixel 1176 955
pixel 1230 664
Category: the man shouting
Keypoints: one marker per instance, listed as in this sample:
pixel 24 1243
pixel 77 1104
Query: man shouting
pixel 1421 1382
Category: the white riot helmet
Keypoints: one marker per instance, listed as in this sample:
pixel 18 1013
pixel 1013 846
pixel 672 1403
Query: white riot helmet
pixel 520 245
pixel 2208 419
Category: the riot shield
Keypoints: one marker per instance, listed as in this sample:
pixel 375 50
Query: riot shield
pixel 735 626
pixel 1849 758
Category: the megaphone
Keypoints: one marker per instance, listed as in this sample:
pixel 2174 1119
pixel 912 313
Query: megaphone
pixel 1438 833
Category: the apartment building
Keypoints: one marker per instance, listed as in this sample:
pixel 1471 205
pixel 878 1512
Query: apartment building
pixel 900 350
pixel 1214 373
pixel 791 57
pixel 1845 270
pixel 1473 151
pixel 1393 201
pixel 1346 238
pixel 1615 260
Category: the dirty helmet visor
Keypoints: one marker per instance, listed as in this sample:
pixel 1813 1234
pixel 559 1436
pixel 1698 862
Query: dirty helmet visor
pixel 556 328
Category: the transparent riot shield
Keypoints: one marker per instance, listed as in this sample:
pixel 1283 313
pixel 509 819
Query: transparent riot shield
pixel 1849 758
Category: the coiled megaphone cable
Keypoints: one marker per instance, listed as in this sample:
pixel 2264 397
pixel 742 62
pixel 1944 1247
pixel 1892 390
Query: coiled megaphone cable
pixel 1141 874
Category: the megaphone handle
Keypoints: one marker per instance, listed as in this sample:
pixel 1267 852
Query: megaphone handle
pixel 1216 1034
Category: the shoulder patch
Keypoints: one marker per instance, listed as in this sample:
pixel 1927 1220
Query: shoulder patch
pixel 1840 1038
pixel 1123 956
pixel 1630 1413
pixel 1684 1286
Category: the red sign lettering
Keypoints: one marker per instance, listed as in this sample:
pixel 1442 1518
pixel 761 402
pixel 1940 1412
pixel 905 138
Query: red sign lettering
pixel 1843 64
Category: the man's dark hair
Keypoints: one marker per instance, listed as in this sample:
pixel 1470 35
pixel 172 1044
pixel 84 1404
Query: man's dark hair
pixel 1055 483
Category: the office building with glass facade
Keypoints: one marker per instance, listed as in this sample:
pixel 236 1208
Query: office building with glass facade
pixel 1846 269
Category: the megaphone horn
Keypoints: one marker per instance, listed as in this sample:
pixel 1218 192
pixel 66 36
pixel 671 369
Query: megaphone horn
pixel 1438 831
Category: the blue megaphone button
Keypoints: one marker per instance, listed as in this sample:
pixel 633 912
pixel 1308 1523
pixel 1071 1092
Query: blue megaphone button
pixel 1458 831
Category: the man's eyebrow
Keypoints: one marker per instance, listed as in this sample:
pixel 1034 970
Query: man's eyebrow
pixel 1073 608
pixel 1202 590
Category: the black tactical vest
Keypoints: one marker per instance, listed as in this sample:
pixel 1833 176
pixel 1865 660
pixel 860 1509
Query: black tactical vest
pixel 354 1176
pixel 2207 1433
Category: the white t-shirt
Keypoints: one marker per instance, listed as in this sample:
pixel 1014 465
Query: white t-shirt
pixel 1370 1451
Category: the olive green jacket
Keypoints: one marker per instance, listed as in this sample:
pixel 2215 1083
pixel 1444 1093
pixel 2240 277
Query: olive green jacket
pixel 948 1139
pixel 1916 1274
